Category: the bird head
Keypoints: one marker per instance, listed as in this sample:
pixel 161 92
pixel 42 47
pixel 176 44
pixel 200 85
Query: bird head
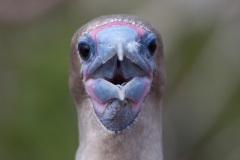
pixel 116 61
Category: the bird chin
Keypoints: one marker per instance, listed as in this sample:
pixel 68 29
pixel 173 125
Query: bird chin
pixel 117 116
pixel 117 106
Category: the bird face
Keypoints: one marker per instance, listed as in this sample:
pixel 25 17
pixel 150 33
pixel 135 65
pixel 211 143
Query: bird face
pixel 117 70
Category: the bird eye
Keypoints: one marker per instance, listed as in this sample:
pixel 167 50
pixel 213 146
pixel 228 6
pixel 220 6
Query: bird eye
pixel 84 51
pixel 152 46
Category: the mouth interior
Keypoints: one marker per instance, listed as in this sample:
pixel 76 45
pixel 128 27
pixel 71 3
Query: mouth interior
pixel 118 79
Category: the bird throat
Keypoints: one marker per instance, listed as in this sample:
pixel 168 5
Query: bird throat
pixel 117 115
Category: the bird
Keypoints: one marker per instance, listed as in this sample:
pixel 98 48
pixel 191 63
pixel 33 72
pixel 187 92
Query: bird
pixel 117 79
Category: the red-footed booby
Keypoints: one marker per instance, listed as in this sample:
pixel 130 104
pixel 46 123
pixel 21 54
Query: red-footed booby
pixel 117 78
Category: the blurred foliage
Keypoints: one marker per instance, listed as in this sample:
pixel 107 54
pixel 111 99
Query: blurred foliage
pixel 202 102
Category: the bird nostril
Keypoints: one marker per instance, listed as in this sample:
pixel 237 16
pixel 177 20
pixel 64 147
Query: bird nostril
pixel 123 103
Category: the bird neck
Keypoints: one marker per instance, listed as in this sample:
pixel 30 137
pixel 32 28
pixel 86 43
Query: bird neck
pixel 140 141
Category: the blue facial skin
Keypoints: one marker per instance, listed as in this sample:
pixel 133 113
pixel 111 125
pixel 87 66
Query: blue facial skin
pixel 104 63
pixel 134 89
pixel 110 38
pixel 106 91
pixel 109 41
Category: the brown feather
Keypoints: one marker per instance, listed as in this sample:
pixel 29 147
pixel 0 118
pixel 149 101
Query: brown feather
pixel 140 141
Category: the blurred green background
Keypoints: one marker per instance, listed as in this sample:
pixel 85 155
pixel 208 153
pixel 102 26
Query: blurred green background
pixel 202 102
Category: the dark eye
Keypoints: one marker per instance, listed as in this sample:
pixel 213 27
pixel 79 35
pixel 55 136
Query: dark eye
pixel 152 46
pixel 84 51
